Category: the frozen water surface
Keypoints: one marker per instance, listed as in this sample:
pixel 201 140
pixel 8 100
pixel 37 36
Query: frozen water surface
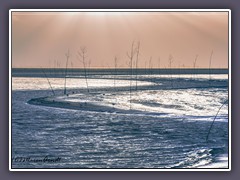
pixel 163 124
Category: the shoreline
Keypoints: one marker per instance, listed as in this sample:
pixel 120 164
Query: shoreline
pixel 84 106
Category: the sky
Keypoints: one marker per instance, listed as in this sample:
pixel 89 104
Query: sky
pixel 42 39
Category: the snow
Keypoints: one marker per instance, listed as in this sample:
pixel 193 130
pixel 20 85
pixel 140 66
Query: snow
pixel 188 98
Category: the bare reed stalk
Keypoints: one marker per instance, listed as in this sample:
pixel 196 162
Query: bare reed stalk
pixel 131 56
pixel 170 60
pixel 72 68
pixel 145 65
pixel 48 81
pixel 150 66
pixel 137 51
pixel 54 68
pixel 179 71
pixel 195 63
pixel 115 75
pixel 214 119
pixel 210 61
pixel 159 63
pixel 115 68
pixel 82 53
pixel 67 56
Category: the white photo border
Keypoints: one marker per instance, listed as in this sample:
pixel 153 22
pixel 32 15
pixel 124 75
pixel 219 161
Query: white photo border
pixel 120 10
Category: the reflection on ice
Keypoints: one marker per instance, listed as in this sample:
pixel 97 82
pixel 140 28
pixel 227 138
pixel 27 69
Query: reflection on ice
pixel 166 126
pixel 194 99
pixel 20 83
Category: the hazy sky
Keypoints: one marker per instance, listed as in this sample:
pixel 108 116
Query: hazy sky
pixel 41 39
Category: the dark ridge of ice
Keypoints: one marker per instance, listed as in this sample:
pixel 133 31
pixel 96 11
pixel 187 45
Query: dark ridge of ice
pixel 87 106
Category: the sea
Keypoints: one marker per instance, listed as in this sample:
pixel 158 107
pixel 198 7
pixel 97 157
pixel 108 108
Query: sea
pixel 182 119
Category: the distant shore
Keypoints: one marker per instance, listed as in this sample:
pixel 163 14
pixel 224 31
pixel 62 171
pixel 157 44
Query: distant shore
pixel 60 72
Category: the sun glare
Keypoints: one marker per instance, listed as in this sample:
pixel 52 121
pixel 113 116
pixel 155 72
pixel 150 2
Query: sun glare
pixel 93 13
pixel 104 13
pixel 98 13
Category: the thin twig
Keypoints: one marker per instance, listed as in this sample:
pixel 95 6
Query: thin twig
pixel 82 54
pixel 48 81
pixel 67 56
pixel 210 61
pixel 131 56
pixel 138 49
pixel 214 120
pixel 195 63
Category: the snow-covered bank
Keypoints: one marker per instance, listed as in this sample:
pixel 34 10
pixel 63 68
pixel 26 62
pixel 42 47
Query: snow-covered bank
pixel 72 83
pixel 182 97
pixel 190 104
pixel 220 162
